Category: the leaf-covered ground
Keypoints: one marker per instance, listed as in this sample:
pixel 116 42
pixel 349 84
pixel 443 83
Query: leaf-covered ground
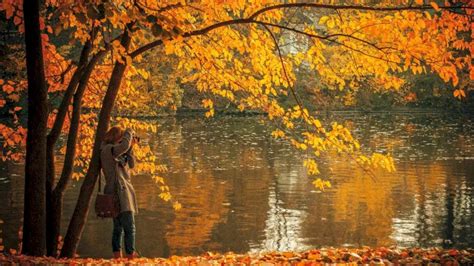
pixel 343 256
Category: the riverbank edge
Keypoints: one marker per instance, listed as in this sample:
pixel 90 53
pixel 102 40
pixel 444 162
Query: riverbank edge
pixel 323 256
pixel 230 112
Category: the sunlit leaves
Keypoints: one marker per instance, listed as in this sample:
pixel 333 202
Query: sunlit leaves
pixel 278 133
pixel 377 160
pixel 248 65
pixel 459 94
pixel 435 6
pixel 177 206
pixel 321 184
pixel 143 73
pixel 312 166
pixel 379 44
pixel 209 104
pixel 13 139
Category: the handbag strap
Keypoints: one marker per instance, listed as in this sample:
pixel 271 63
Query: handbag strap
pixel 100 172
pixel 100 179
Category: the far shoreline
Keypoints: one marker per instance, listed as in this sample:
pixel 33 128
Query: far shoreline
pixel 189 112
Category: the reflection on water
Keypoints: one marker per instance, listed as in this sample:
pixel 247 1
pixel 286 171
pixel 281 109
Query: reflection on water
pixel 243 191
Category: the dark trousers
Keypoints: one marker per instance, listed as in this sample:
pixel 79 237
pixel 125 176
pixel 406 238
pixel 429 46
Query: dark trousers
pixel 124 222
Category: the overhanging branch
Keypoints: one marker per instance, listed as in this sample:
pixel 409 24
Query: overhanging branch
pixel 350 7
pixel 251 18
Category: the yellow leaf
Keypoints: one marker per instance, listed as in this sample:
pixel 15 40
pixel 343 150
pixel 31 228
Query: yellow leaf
pixel 317 123
pixel 207 103
pixel 428 15
pixel 214 53
pixel 177 206
pixel 209 113
pixel 278 134
pixel 331 23
pixel 323 19
pixel 320 184
pixel 143 73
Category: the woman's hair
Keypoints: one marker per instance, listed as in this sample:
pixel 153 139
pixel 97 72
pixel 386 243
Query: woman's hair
pixel 113 135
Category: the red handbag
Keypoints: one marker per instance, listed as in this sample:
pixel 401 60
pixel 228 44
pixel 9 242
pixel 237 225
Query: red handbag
pixel 106 205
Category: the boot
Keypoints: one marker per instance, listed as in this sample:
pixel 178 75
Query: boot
pixel 117 254
pixel 132 256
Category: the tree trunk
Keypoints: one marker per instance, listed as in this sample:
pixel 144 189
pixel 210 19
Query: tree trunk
pixel 59 122
pixel 79 217
pixel 54 213
pixel 34 214
pixel 51 226
pixel 49 180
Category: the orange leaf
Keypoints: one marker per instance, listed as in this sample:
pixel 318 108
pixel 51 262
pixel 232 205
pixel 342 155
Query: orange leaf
pixel 459 93
pixel 435 6
pixel 17 20
pixel 8 88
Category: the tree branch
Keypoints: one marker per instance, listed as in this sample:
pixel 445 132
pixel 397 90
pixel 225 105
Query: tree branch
pixel 74 127
pixel 325 37
pixel 349 7
pixel 293 92
pixel 251 18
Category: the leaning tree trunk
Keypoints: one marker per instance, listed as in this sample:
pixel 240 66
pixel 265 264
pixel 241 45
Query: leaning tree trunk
pixel 53 135
pixel 34 215
pixel 55 202
pixel 79 217
pixel 52 231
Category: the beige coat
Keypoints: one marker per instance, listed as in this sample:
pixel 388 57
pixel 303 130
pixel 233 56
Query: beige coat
pixel 116 170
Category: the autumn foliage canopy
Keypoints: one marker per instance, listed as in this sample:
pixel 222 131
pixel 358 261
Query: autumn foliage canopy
pixel 245 53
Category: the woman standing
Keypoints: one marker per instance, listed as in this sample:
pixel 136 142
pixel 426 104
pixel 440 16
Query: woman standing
pixel 117 158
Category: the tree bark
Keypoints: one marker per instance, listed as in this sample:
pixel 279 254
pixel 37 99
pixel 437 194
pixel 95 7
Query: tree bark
pixel 34 215
pixel 51 241
pixel 55 202
pixel 61 115
pixel 53 227
pixel 79 217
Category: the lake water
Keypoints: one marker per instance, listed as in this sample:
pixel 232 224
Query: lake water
pixel 243 191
